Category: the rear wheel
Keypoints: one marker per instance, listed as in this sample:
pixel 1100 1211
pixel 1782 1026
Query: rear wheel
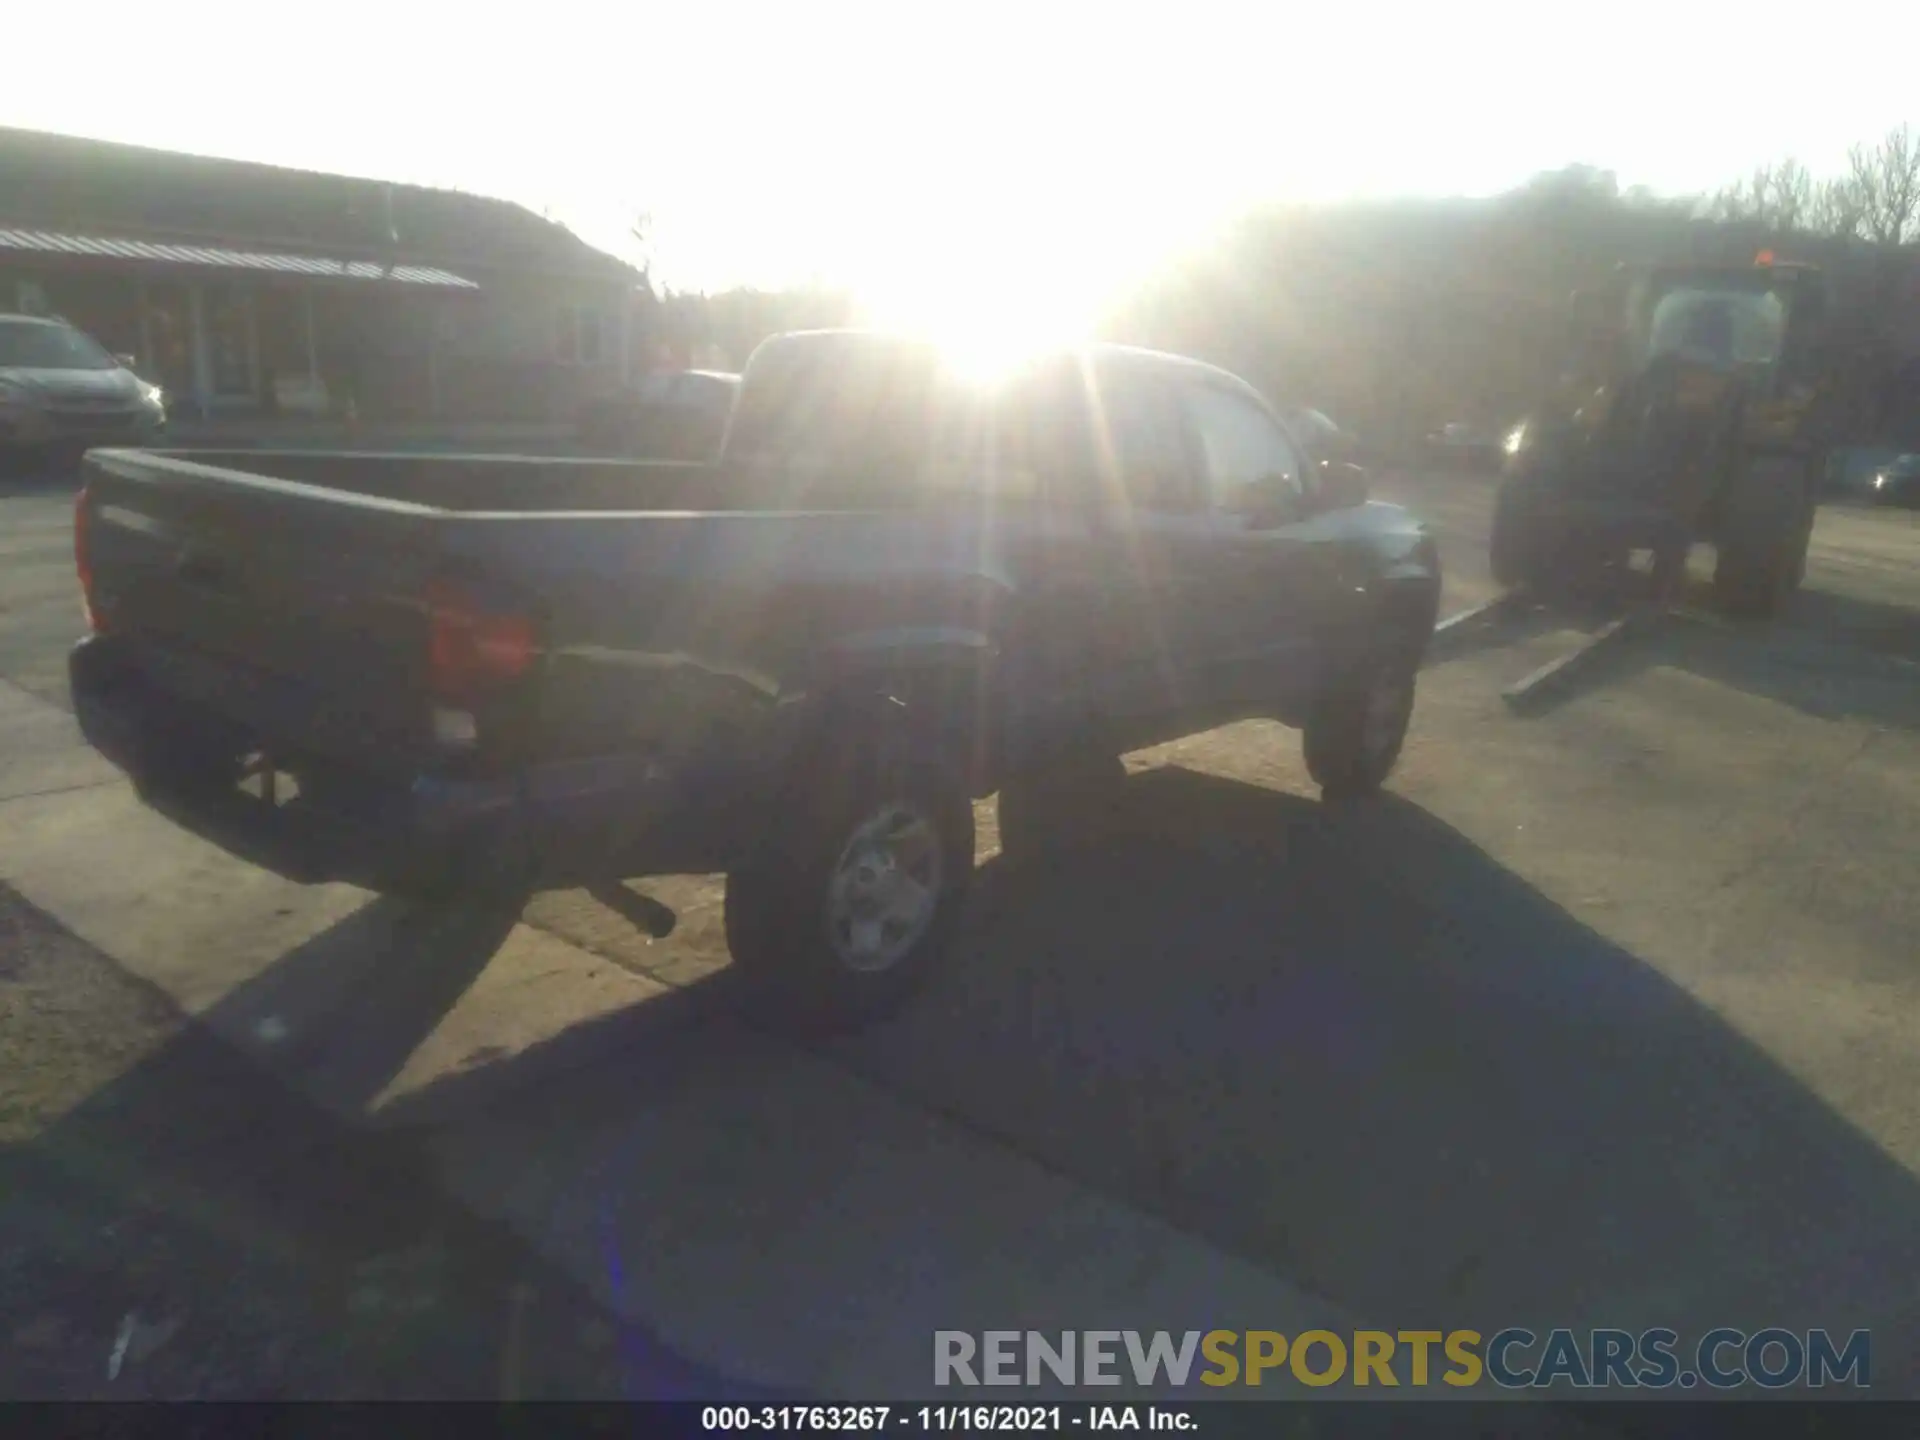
pixel 847 908
pixel 1765 529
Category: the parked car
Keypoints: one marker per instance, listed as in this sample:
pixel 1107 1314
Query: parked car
pixel 892 594
pixel 61 392
pixel 1898 482
pixel 678 416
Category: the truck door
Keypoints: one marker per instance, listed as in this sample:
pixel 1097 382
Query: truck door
pixel 1275 578
pixel 1160 628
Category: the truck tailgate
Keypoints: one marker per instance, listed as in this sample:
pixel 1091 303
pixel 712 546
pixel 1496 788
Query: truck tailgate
pixel 292 609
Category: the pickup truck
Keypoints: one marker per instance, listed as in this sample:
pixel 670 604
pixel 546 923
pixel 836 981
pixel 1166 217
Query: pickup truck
pixel 895 592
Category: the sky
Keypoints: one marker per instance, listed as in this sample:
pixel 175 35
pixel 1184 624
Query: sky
pixel 946 157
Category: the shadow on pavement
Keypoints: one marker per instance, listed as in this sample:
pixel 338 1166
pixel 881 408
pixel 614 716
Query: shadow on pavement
pixel 644 913
pixel 381 980
pixel 307 1256
pixel 1834 657
pixel 1348 1045
pixel 1354 1048
pixel 1342 1043
pixel 1513 623
pixel 1831 654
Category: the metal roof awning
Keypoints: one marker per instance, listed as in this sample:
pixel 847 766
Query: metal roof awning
pixel 47 242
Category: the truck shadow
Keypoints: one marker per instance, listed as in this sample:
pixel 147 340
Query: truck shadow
pixel 1353 1046
pixel 1345 1044
pixel 1349 1046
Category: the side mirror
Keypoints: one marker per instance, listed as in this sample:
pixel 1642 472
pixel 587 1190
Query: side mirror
pixel 126 362
pixel 1342 485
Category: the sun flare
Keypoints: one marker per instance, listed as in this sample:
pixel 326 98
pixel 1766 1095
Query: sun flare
pixel 987 320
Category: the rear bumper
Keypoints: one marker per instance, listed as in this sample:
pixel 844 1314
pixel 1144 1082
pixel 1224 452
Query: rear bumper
pixel 554 825
pixel 421 834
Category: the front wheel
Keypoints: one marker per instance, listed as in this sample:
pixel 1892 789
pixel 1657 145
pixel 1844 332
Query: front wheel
pixel 1808 515
pixel 1516 554
pixel 846 910
pixel 1765 529
pixel 1356 729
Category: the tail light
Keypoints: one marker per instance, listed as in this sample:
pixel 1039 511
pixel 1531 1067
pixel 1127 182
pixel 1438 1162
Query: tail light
pixel 474 648
pixel 83 556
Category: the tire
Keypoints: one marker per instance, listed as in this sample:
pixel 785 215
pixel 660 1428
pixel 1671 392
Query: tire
pixel 1051 812
pixel 1357 727
pixel 807 918
pixel 1515 551
pixel 1765 529
pixel 1810 513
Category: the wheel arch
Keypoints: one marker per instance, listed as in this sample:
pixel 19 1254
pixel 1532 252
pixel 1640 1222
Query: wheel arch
pixel 937 685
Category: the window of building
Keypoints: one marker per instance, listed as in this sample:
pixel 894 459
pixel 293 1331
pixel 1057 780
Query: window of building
pixel 585 336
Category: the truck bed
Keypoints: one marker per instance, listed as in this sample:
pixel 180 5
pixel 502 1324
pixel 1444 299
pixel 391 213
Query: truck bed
pixel 289 604
pixel 506 484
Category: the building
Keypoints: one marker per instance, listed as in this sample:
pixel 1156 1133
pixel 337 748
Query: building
pixel 253 289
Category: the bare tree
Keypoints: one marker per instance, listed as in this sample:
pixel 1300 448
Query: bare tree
pixel 1777 198
pixel 1888 178
pixel 1789 197
pixel 1741 202
pixel 1837 208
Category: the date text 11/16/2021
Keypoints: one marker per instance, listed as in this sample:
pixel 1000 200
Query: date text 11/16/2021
pixel 943 1419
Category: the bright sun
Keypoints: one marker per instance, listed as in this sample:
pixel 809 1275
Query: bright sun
pixel 988 319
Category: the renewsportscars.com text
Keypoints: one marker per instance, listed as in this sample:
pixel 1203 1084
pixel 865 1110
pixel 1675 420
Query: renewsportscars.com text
pixel 1721 1359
